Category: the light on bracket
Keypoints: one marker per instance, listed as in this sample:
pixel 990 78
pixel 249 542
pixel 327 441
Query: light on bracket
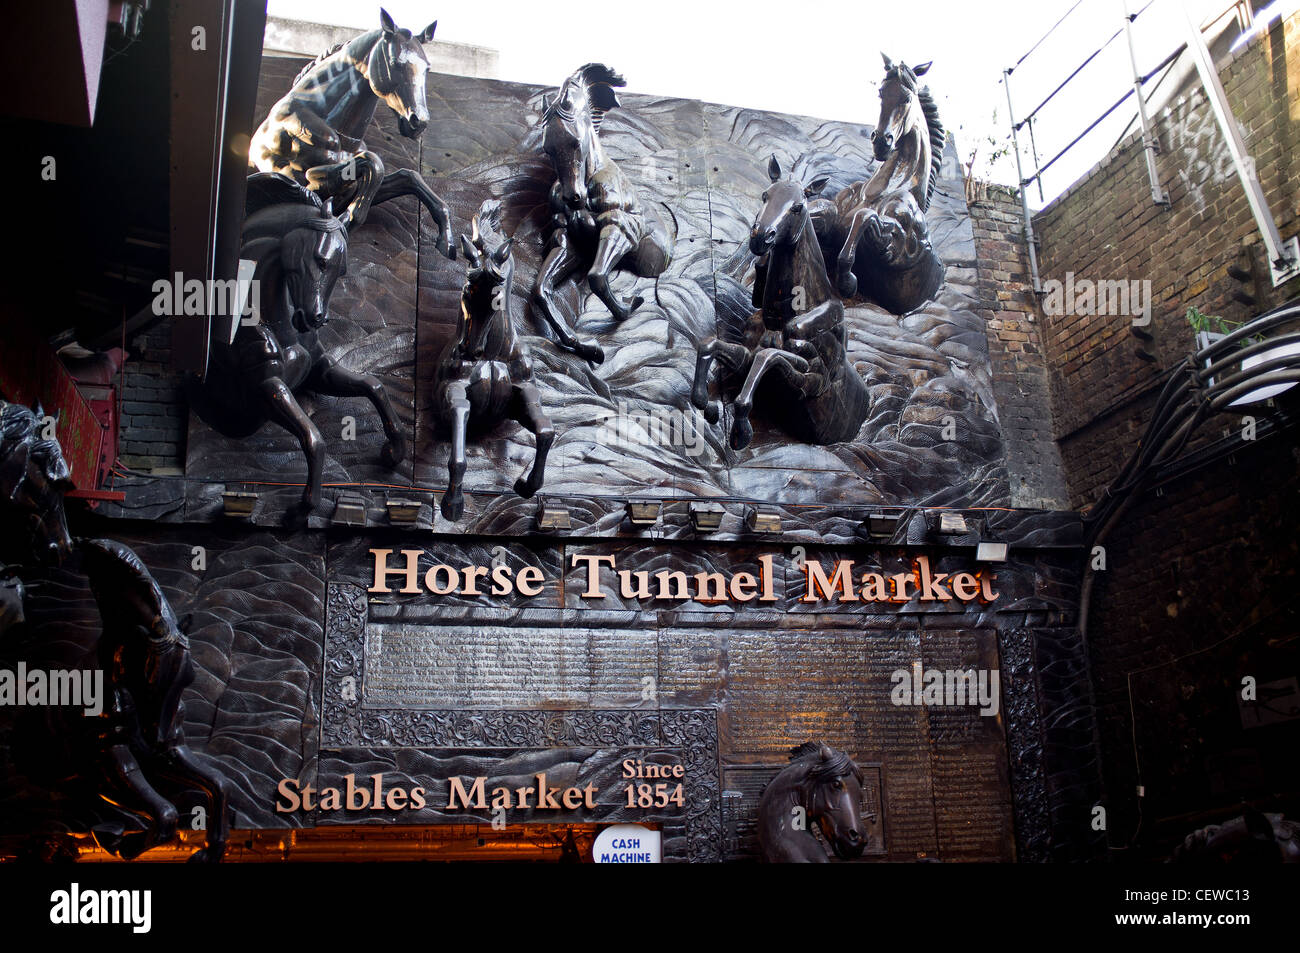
pixel 238 503
pixel 952 524
pixel 763 519
pixel 402 512
pixel 706 517
pixel 350 511
pixel 883 526
pixel 553 516
pixel 643 512
pixel 991 552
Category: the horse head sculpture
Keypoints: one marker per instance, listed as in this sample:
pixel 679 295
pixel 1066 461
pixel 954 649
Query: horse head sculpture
pixel 307 249
pixel 908 117
pixel 33 478
pixel 396 68
pixel 822 785
pixel 570 126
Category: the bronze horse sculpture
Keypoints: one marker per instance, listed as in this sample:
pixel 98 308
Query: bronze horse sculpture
pixel 300 250
pixel 598 222
pixel 821 785
pixel 1250 839
pixel 314 134
pixel 112 767
pixel 874 233
pixel 133 760
pixel 800 334
pixel 485 373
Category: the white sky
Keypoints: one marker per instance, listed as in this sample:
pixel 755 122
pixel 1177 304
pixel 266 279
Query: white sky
pixel 822 58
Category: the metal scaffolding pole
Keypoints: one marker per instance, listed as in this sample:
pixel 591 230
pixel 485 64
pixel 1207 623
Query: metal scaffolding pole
pixel 1283 257
pixel 1024 196
pixel 1150 144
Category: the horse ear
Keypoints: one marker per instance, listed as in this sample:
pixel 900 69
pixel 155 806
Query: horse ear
pixel 824 753
pixel 386 22
pixel 773 169
pixel 38 410
pixel 503 251
pixel 889 64
pixel 427 35
pixel 922 69
pixel 471 254
pixel 815 187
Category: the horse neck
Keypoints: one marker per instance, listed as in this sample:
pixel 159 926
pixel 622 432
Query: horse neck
pixel 499 335
pixel 269 275
pixel 907 169
pixel 774 820
pixel 796 266
pixel 343 83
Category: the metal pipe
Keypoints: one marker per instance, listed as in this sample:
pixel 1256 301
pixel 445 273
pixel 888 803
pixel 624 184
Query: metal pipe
pixel 1150 144
pixel 1283 257
pixel 1024 196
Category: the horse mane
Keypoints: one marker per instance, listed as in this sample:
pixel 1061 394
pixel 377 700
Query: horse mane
pixel 487 224
pixel 598 82
pixel 937 139
pixel 302 73
pixel 838 765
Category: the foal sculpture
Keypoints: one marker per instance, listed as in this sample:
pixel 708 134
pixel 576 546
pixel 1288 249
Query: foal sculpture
pixel 485 373
pixel 599 223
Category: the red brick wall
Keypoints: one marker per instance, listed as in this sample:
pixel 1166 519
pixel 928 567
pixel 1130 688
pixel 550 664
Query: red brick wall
pixel 1107 228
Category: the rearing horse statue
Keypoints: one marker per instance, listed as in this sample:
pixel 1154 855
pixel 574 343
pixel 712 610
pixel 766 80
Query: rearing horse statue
pixel 875 231
pixel 300 249
pixel 801 336
pixel 314 134
pixel 822 785
pixel 598 222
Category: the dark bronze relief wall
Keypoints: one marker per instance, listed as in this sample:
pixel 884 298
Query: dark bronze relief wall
pixel 308 675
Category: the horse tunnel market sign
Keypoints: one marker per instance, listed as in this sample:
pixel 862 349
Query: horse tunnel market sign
pixel 413 572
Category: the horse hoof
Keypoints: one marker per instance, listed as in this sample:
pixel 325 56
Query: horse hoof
pixel 712 411
pixel 635 303
pixel 590 350
pixel 847 284
pixel 524 488
pixel 448 248
pixel 453 507
pixel 742 432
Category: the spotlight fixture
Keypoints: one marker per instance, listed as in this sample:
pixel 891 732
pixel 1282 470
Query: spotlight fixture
pixel 238 503
pixel 706 517
pixel 553 516
pixel 952 524
pixel 643 512
pixel 350 511
pixel 402 512
pixel 882 526
pixel 763 519
pixel 991 552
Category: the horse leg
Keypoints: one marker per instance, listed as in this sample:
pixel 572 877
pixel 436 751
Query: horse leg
pixel 846 282
pixel 410 182
pixel 182 769
pixel 526 407
pixel 331 379
pixel 736 356
pixel 742 431
pixel 279 405
pixel 124 771
pixel 453 501
pixel 356 181
pixel 561 263
pixel 614 244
